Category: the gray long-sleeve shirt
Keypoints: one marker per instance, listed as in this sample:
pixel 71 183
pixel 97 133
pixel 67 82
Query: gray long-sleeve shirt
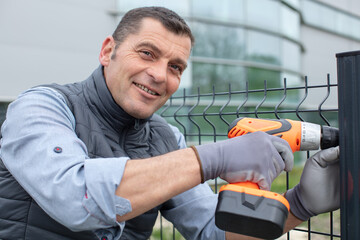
pixel 80 192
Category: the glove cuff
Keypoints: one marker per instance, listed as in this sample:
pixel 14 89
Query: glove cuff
pixel 200 164
pixel 297 207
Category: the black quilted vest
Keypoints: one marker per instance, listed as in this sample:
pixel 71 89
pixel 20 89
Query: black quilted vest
pixel 107 131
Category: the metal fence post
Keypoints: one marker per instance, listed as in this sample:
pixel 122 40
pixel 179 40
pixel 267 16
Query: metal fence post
pixel 348 67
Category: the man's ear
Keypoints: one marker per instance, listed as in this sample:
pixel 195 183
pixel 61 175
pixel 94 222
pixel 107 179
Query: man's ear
pixel 107 49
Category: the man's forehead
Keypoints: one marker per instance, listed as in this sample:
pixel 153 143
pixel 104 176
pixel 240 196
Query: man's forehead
pixel 152 30
pixel 149 25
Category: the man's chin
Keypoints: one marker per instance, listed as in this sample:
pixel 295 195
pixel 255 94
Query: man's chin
pixel 140 110
pixel 141 114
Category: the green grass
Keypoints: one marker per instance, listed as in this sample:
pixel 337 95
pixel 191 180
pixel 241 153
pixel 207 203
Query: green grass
pixel 279 184
pixel 166 233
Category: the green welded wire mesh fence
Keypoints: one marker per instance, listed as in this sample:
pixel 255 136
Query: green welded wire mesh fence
pixel 205 117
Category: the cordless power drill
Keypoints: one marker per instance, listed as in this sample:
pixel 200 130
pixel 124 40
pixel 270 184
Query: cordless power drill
pixel 244 208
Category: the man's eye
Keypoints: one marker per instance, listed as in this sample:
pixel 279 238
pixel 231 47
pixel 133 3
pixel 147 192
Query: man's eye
pixel 176 67
pixel 146 53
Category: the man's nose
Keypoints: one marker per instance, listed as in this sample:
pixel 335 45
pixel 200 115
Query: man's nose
pixel 158 71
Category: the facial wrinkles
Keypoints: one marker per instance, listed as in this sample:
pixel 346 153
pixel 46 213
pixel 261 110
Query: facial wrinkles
pixel 129 69
pixel 171 45
pixel 140 79
pixel 167 52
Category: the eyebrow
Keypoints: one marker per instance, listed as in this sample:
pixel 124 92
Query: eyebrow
pixel 156 49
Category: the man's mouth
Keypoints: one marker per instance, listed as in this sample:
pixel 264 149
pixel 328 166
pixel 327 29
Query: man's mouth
pixel 146 89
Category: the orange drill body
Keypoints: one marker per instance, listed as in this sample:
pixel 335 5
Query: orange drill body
pixel 244 208
pixel 288 130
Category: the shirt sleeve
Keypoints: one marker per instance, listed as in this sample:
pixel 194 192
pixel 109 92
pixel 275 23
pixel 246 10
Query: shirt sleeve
pixel 193 212
pixel 40 148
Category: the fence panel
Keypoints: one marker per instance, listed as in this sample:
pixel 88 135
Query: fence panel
pixel 205 117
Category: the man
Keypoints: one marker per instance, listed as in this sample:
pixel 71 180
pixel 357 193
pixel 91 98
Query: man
pixel 91 160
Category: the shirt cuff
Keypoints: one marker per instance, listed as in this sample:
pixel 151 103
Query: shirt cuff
pixel 102 177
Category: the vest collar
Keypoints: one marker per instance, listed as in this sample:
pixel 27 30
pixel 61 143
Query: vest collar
pixel 102 102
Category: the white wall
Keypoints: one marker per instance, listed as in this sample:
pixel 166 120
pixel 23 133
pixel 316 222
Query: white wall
pixel 320 50
pixel 44 41
pixel 319 59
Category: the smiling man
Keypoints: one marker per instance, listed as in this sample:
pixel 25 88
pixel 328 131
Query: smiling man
pixel 92 160
pixel 145 70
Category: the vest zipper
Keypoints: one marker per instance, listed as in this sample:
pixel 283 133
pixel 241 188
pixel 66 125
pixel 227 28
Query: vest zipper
pixel 137 124
pixel 125 132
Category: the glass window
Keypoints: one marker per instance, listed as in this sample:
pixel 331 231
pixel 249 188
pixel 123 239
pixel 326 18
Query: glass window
pixel 205 76
pixel 293 3
pixel 264 14
pixel 291 55
pixel 356 28
pixel 290 20
pixel 274 79
pixel 292 79
pixel 259 80
pixel 186 76
pixel 227 10
pixel 257 76
pixel 330 19
pixel 311 12
pixel 327 18
pixel 344 25
pixel 218 41
pixel 263 48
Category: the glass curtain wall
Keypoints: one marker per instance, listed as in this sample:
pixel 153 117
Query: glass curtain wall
pixel 237 41
pixel 325 17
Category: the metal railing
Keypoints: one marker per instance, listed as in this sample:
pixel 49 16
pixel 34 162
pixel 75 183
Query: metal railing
pixel 205 117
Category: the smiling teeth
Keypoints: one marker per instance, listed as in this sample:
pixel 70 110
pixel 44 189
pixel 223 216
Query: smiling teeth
pixel 145 89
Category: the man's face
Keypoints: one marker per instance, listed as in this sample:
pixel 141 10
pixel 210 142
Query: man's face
pixel 146 67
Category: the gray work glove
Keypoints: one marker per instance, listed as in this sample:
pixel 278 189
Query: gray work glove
pixel 257 157
pixel 319 188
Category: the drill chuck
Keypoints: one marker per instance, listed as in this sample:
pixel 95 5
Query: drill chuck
pixel 314 137
pixel 329 137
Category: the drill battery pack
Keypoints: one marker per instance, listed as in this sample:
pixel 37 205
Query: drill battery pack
pixel 244 209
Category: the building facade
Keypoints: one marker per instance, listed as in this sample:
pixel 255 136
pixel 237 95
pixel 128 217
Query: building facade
pixel 237 41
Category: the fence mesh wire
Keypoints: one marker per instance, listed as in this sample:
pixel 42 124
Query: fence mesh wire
pixel 205 117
